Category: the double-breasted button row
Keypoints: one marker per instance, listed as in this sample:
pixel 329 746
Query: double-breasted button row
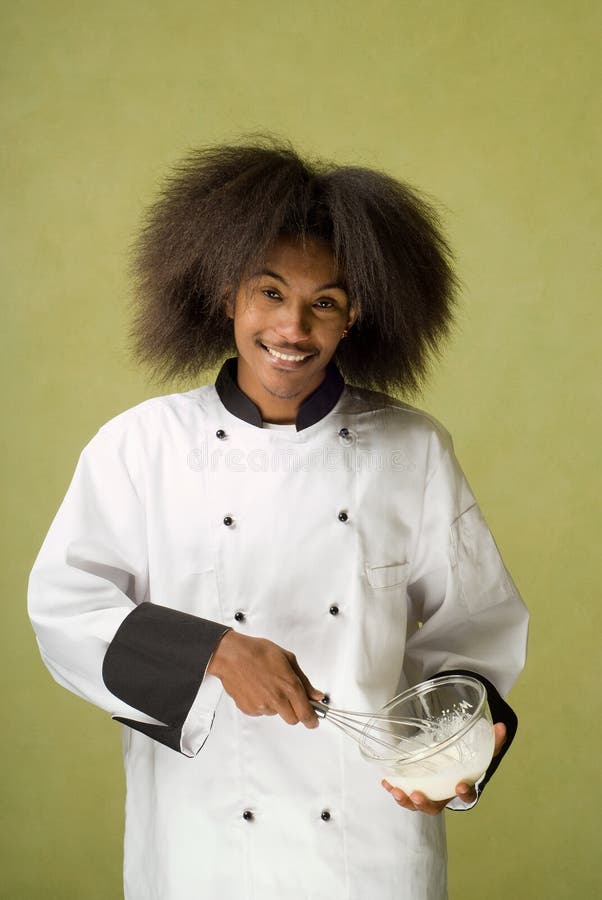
pixel 249 816
pixel 344 434
pixel 346 437
pixel 239 615
pixel 343 516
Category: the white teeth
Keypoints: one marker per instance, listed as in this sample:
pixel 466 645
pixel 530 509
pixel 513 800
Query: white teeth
pixel 286 356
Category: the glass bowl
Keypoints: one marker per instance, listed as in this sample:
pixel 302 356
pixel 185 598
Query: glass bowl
pixel 432 736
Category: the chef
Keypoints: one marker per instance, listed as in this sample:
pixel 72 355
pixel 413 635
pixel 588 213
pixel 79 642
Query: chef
pixel 226 554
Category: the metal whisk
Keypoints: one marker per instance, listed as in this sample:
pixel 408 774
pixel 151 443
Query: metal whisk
pixel 380 736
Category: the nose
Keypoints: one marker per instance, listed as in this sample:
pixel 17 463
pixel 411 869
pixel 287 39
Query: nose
pixel 294 323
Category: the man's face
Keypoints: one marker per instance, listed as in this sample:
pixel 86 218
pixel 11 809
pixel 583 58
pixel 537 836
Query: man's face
pixel 288 321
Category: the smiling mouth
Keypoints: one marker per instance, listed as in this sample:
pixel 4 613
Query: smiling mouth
pixel 287 357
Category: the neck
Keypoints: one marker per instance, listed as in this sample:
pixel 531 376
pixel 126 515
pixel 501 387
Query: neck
pixel 274 408
pixel 278 412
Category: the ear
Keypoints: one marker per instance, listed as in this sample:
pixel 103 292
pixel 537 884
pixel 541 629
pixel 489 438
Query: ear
pixel 352 317
pixel 229 303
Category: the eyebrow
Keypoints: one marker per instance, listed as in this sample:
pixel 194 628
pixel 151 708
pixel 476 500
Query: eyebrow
pixel 323 287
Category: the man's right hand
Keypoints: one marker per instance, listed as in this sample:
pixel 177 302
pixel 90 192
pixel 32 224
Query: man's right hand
pixel 263 679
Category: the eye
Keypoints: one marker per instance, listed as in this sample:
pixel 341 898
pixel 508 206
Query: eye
pixel 271 293
pixel 325 303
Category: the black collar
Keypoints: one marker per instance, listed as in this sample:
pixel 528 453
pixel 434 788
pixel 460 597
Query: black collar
pixel 313 408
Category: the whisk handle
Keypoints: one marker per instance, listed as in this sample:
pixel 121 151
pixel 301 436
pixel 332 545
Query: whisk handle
pixel 320 708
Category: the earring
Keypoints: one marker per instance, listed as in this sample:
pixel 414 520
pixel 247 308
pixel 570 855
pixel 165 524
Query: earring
pixel 345 333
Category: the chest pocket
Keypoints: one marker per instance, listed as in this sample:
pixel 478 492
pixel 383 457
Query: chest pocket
pixel 387 576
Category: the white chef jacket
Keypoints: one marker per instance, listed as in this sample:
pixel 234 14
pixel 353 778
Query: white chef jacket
pixel 352 539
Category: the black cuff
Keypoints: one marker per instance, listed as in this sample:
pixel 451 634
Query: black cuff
pixel 500 712
pixel 156 663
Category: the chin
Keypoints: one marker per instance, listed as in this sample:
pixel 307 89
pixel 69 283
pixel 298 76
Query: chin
pixel 282 393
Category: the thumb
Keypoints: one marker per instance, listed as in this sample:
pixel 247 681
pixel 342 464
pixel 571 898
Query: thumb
pixel 313 693
pixel 500 737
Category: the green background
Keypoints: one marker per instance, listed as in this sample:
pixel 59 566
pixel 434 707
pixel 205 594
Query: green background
pixel 490 107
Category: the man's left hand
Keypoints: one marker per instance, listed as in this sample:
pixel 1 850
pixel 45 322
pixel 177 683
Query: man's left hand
pixel 419 802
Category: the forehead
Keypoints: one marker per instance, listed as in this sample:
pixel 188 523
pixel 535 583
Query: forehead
pixel 311 259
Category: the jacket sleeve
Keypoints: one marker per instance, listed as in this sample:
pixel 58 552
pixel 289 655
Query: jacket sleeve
pixel 88 602
pixel 466 615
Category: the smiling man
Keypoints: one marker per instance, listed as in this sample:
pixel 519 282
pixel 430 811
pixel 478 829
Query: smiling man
pixel 226 555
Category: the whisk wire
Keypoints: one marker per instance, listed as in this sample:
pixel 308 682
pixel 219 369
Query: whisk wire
pixel 361 728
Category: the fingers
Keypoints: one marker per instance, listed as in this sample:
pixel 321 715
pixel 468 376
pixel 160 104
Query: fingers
pixel 419 802
pixel 282 695
pixel 416 801
pixel 299 697
pixel 300 701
